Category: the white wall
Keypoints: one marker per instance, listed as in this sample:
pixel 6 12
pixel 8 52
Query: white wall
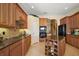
pixel 33 27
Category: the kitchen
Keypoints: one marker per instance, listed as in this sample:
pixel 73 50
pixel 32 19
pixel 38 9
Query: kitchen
pixel 23 25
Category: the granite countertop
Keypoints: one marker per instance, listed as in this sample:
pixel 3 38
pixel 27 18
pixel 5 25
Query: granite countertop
pixel 9 41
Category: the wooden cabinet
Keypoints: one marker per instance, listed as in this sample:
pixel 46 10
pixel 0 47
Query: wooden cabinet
pixel 69 39
pixel 16 49
pixel 29 41
pixel 66 20
pixel 53 29
pixel 63 21
pixel 26 42
pixel 4 52
pixel 4 14
pixel 21 17
pixel 71 22
pixel 12 15
pixel 76 41
pixel 76 20
pixel 7 15
pixel 62 46
pixel 43 22
pixel 73 40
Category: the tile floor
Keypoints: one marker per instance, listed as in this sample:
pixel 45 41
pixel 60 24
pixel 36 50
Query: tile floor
pixel 38 49
pixel 71 51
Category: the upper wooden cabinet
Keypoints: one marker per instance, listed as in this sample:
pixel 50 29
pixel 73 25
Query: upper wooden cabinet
pixel 10 13
pixel 72 21
pixel 76 20
pixel 43 22
pixel 7 15
pixel 3 14
pixel 21 17
pixel 66 20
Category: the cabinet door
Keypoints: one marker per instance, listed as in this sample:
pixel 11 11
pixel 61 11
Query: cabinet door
pixel 29 38
pixel 4 52
pixel 16 49
pixel 76 20
pixel 43 22
pixel 12 15
pixel 76 41
pixel 62 47
pixel 20 15
pixel 25 21
pixel 69 39
pixel 4 13
pixel 71 22
pixel 26 45
pixel 67 25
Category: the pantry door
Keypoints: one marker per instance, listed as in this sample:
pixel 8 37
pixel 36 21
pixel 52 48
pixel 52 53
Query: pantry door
pixel 33 25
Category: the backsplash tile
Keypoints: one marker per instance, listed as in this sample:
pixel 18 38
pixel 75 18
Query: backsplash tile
pixel 9 32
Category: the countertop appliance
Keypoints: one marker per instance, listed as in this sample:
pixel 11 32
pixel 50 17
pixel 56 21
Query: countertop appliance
pixel 75 32
pixel 43 30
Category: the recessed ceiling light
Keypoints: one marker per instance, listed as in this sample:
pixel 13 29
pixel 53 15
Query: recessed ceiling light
pixel 66 8
pixel 32 7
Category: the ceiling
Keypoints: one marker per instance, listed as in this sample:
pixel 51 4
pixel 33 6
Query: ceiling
pixel 42 9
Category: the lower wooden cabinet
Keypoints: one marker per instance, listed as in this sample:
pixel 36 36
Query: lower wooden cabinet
pixel 4 52
pixel 19 48
pixel 62 46
pixel 76 41
pixel 16 49
pixel 69 39
pixel 73 40
pixel 26 42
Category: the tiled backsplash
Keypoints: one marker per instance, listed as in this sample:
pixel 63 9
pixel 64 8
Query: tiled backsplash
pixel 8 32
pixel 11 32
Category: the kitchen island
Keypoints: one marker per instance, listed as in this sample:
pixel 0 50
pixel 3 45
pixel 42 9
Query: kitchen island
pixel 55 47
